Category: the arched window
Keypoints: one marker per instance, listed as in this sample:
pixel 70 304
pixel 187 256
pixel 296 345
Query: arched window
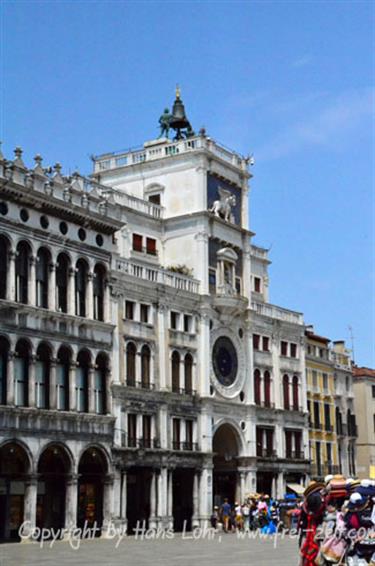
pixel 4 259
pixel 82 381
pixel 62 277
pixel 295 394
pixel 131 353
pixel 81 287
pixel 286 392
pixel 188 367
pixel 22 272
pixel 4 353
pixel 99 284
pixel 42 374
pixel 145 366
pixel 62 379
pixel 101 371
pixel 21 373
pixel 43 260
pixel 267 389
pixel 175 372
pixel 257 387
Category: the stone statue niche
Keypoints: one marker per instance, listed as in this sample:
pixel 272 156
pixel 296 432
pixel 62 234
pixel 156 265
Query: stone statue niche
pixel 223 206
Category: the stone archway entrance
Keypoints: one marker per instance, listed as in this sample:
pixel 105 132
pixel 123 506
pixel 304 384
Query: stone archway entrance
pixel 14 471
pixel 53 468
pixel 225 475
pixel 92 472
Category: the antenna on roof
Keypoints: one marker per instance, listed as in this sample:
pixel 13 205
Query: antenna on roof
pixel 352 341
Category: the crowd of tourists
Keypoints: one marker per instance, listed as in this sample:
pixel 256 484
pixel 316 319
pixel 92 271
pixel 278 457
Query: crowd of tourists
pixel 337 523
pixel 334 521
pixel 257 512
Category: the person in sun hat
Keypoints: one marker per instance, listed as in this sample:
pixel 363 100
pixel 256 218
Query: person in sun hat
pixel 311 517
pixel 351 485
pixel 354 515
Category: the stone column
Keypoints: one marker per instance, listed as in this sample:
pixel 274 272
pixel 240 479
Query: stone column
pixel 31 299
pixel 71 299
pixel 280 486
pixel 203 385
pixel 72 386
pixel 162 495
pixel 11 286
pixel 91 387
pixel 107 302
pixel 163 349
pixel 201 250
pixel 52 287
pixel 138 368
pixel 170 499
pixel 90 295
pixel 117 480
pixel 195 517
pixel 154 499
pixel 205 496
pixel 31 382
pixel 124 487
pixel 52 384
pixel 29 513
pixel 10 379
pixel 107 505
pixel 242 486
pixel 71 502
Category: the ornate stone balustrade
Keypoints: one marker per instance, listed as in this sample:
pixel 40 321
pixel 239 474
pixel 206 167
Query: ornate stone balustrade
pixel 157 275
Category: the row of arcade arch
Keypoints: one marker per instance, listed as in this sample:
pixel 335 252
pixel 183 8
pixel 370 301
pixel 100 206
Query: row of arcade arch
pixel 53 493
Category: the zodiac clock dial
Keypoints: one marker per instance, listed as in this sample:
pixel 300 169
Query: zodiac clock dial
pixel 225 361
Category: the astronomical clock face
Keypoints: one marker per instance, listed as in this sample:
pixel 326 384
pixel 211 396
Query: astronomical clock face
pixel 225 361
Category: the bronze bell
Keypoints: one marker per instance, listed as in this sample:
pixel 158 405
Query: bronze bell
pixel 178 120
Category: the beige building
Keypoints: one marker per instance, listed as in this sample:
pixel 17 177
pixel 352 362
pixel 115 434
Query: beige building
pixel 364 403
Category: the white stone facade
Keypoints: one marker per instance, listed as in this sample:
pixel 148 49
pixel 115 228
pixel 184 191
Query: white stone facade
pixel 152 372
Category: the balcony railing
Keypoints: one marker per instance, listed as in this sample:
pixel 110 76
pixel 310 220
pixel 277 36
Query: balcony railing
pixel 295 455
pixel 140 384
pixel 187 446
pixel 182 391
pixel 272 311
pixel 266 453
pixel 158 275
pixel 324 469
pixel 166 149
pixel 145 443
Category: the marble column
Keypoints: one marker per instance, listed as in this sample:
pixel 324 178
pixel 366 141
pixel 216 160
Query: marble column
pixel 31 382
pixel 31 491
pixel 107 302
pixel 124 487
pixel 154 500
pixel 10 378
pixel 195 517
pixel 31 299
pixel 71 299
pixel 91 387
pixel 170 499
pixel 107 505
pixel 52 384
pixel 72 386
pixel 163 350
pixel 71 501
pixel 11 286
pixel 90 295
pixel 162 495
pixel 205 496
pixel 204 355
pixel 52 287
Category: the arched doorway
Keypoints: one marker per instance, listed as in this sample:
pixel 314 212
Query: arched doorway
pixel 53 467
pixel 14 468
pixel 226 450
pixel 92 471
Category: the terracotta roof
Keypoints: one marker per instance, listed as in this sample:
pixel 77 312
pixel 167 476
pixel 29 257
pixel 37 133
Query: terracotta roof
pixel 316 337
pixel 363 372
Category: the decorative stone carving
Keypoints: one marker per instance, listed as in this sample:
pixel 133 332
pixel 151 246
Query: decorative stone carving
pixel 223 207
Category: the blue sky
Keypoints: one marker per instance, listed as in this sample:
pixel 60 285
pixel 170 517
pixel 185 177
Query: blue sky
pixel 291 82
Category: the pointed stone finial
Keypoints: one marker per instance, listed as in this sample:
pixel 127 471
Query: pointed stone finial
pixel 38 160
